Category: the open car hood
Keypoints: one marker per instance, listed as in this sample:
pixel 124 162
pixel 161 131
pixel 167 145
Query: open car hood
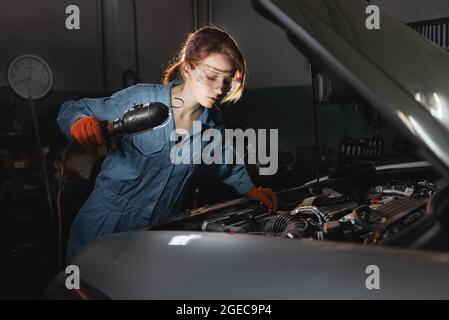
pixel 391 68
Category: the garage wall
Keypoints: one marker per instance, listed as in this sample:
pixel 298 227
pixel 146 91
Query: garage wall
pixel 38 27
pixel 119 41
pixel 162 26
pixel 262 43
pixel 142 36
pixel 76 56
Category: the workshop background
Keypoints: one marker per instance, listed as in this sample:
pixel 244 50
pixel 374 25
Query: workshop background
pixel 138 38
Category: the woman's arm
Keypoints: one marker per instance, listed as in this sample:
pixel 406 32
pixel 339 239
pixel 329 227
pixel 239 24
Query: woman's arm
pixel 234 175
pixel 108 108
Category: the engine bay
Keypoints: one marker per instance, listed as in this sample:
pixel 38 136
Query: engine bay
pixel 331 216
pixel 349 207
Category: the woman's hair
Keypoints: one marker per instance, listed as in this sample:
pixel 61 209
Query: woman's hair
pixel 198 46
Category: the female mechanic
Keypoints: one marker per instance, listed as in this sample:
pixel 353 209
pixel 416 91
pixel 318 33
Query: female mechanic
pixel 138 184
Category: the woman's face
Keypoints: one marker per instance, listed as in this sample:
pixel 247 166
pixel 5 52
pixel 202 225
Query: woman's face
pixel 211 79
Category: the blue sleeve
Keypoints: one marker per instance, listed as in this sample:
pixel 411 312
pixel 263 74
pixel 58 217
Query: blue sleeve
pixel 234 175
pixel 109 108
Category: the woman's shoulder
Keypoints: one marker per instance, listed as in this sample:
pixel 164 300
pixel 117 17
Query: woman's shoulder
pixel 143 88
pixel 145 92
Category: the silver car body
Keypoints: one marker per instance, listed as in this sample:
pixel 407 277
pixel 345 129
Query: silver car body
pixel 389 68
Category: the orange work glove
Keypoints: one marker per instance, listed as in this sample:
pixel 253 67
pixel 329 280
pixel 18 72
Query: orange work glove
pixel 87 132
pixel 266 195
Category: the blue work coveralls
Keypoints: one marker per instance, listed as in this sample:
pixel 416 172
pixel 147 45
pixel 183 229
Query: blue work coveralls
pixel 138 184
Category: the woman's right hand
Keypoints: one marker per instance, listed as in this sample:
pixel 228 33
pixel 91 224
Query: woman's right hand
pixel 87 132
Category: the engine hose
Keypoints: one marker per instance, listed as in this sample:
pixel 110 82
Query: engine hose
pixel 311 210
pixel 286 224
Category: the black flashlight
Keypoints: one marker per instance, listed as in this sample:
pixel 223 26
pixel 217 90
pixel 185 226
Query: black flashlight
pixel 136 120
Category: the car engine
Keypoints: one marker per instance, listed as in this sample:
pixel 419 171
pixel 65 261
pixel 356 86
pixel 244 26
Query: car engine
pixel 350 207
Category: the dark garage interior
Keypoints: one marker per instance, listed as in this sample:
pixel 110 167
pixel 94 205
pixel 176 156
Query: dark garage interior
pixel 323 125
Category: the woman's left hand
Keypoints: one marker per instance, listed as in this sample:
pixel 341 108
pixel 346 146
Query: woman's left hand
pixel 266 195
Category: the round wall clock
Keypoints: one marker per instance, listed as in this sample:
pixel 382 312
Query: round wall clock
pixel 30 76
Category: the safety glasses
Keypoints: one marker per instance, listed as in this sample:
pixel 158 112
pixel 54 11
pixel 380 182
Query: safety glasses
pixel 213 79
